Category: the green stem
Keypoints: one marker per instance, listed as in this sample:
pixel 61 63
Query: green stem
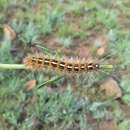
pixel 22 66
pixel 51 81
pixel 106 66
pixel 12 66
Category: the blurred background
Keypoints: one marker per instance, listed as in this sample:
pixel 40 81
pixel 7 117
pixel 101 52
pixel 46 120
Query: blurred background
pixel 98 31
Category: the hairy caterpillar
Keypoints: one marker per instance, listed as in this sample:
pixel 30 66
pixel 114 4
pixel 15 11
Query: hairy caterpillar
pixel 38 62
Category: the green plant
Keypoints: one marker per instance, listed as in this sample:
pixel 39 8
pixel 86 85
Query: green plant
pixel 124 125
pixel 107 17
pixel 30 34
pixel 125 85
pixel 120 48
pixel 27 32
pixel 57 107
pixel 18 26
pixel 48 19
pixel 99 110
pixel 75 7
pixel 66 42
pixel 3 4
pixel 5 49
pixel 65 30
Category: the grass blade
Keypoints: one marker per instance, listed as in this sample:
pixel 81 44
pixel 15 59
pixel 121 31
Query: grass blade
pixel 54 79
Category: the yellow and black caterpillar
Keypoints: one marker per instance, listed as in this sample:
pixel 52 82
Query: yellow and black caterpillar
pixel 38 62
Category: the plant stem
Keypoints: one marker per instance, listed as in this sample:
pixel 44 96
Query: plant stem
pixel 22 66
pixel 106 66
pixel 12 66
pixel 51 81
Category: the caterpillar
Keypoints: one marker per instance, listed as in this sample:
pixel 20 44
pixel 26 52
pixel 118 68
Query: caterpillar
pixel 38 62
